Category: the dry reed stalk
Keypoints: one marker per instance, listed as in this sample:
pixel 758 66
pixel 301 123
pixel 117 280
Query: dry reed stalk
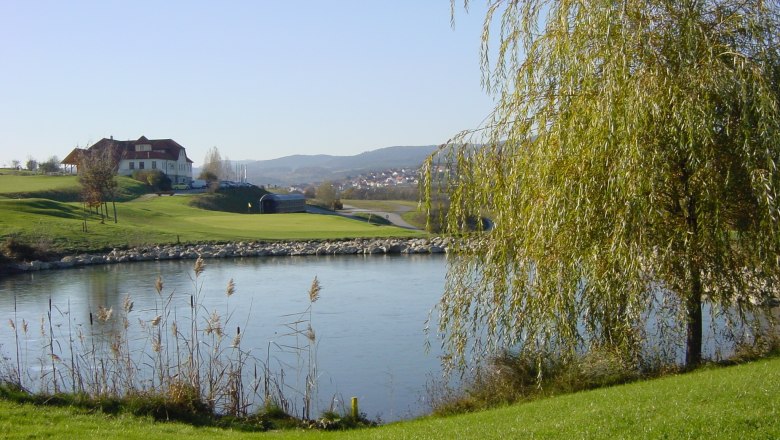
pixel 104 363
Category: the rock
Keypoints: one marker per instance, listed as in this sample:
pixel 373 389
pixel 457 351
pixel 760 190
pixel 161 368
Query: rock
pixel 435 245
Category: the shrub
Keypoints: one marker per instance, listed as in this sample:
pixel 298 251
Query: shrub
pixel 509 378
pixel 52 165
pixel 14 248
pixel 154 178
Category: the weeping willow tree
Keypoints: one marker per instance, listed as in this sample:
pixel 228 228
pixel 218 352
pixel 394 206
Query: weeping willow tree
pixel 630 170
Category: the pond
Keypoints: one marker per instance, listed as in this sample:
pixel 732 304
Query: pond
pixel 368 320
pixel 368 323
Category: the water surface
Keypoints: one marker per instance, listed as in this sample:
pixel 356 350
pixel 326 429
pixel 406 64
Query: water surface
pixel 368 321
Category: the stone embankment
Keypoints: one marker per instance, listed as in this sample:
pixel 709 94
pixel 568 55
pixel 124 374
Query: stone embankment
pixel 436 245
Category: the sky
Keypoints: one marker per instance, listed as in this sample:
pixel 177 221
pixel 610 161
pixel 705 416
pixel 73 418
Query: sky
pixel 258 79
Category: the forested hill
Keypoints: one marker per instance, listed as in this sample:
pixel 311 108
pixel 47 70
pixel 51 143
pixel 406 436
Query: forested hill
pixel 316 168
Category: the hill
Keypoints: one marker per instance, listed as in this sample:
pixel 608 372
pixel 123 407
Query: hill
pixel 62 188
pixel 298 168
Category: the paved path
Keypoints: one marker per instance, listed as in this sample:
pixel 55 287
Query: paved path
pixel 392 217
pixel 349 211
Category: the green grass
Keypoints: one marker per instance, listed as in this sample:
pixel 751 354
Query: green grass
pixel 415 218
pixel 714 403
pixel 408 210
pixel 19 183
pixel 383 205
pixel 372 218
pixel 153 220
pixel 174 212
pixel 65 188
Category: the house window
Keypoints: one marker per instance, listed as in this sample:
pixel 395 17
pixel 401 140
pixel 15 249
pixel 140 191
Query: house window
pixel 132 165
pixel 154 164
pixel 141 165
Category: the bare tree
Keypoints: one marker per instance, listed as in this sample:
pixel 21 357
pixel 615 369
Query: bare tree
pixel 228 171
pixel 212 166
pixel 97 171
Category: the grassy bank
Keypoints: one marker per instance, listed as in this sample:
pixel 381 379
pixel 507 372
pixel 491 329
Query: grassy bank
pixel 44 212
pixel 61 188
pixel 397 206
pixel 158 220
pixel 720 403
pixel 408 210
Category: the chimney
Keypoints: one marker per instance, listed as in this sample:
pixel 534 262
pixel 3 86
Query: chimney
pixel 112 137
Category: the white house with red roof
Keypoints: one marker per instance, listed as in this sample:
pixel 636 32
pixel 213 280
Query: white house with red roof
pixel 165 155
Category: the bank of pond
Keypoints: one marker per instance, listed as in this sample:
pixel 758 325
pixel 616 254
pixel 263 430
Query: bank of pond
pixel 299 332
pixel 243 249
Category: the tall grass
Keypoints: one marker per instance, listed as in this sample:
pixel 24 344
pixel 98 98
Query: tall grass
pixel 184 363
pixel 304 348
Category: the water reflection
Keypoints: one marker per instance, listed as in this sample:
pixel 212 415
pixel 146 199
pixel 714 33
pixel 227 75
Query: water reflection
pixel 368 322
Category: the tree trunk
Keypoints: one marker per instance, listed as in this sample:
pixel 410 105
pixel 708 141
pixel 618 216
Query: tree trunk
pixel 694 321
pixel 693 299
pixel 86 215
pixel 113 203
pixel 693 314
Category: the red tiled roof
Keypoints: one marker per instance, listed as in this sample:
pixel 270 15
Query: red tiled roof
pixel 164 149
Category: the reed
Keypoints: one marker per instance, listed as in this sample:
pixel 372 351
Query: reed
pixel 168 364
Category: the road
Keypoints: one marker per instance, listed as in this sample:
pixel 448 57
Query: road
pixel 349 211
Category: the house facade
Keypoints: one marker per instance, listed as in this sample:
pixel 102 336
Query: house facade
pixel 143 154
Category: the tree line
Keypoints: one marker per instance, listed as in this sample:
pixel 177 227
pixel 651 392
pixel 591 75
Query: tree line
pixel 50 165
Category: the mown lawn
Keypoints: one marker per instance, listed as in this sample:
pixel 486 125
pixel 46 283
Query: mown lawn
pixel 740 402
pixel 158 220
pixel 408 210
pixel 398 206
pixel 63 188
pixel 19 183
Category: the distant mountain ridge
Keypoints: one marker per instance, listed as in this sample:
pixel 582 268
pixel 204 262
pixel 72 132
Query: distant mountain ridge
pixel 298 169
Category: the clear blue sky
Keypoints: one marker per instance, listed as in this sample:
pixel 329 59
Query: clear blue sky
pixel 258 79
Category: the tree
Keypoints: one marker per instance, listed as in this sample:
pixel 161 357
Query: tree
pixel 156 179
pixel 52 165
pixel 97 172
pixel 31 164
pixel 631 170
pixel 228 171
pixel 326 193
pixel 212 169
